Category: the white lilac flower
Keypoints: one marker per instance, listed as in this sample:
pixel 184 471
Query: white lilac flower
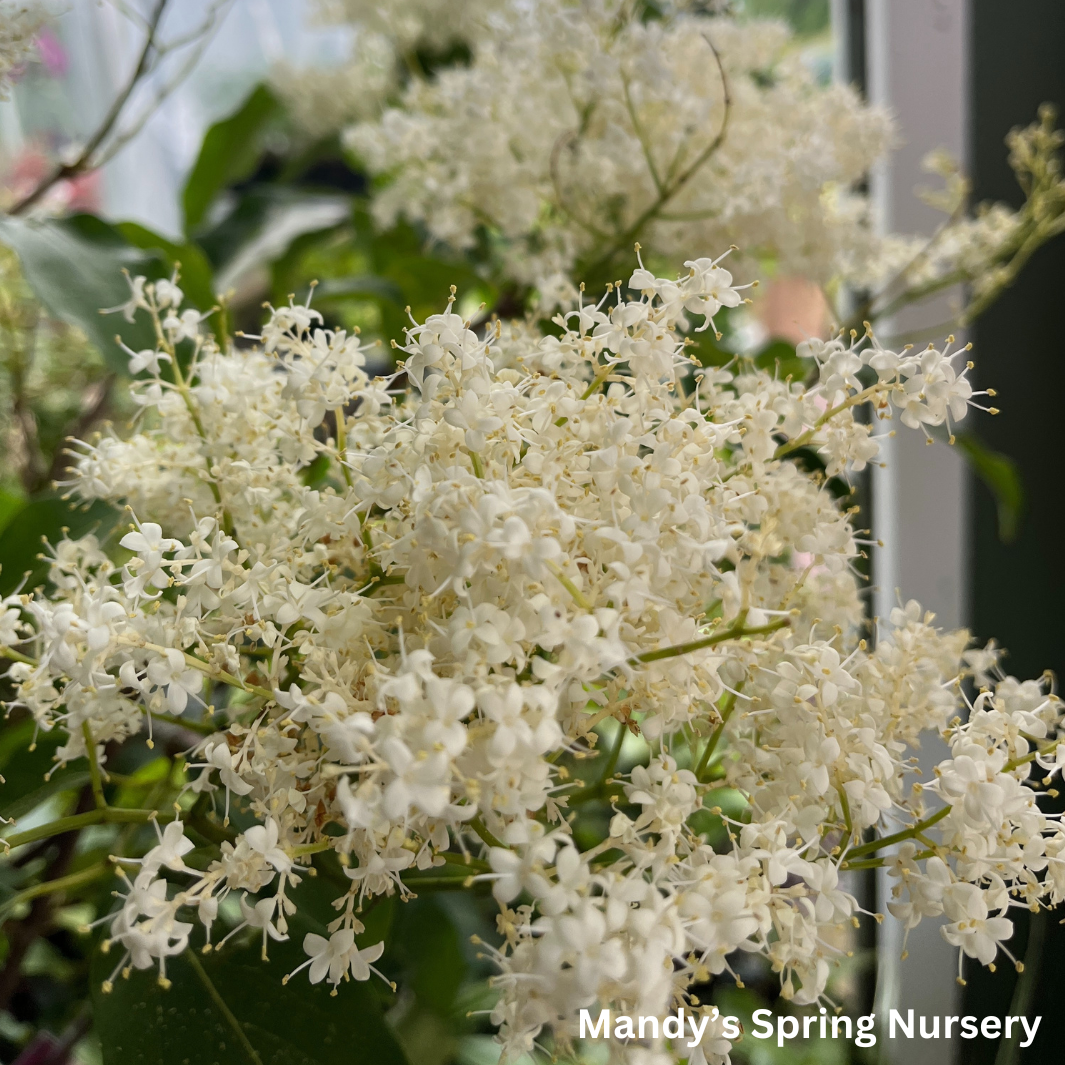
pixel 535 534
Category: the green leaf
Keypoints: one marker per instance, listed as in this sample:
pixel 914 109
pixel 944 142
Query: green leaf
pixel 230 1007
pixel 779 357
pixel 263 225
pixel 10 505
pixel 24 770
pixel 366 286
pixel 22 541
pixel 427 937
pixel 230 152
pixel 74 266
pixel 197 277
pixel 1001 475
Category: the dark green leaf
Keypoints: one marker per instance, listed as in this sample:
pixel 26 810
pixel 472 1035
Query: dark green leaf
pixel 300 1024
pixel 1001 475
pixel 428 940
pixel 262 226
pixel 230 152
pixel 779 357
pixel 365 287
pixel 22 541
pixel 74 266
pixel 10 505
pixel 24 769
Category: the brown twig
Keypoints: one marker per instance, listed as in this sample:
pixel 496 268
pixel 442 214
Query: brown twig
pixel 84 159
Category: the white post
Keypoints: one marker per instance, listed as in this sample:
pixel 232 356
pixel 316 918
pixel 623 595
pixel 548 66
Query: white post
pixel 917 63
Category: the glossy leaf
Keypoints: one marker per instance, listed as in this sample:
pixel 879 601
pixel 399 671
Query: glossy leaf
pixel 26 755
pixel 1001 475
pixel 230 152
pixel 10 505
pixel 263 225
pixel 74 266
pixel 230 1007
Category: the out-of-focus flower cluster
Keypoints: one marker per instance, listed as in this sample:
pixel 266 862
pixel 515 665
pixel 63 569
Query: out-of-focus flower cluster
pixel 578 127
pixel 388 39
pixel 517 538
pixel 986 250
pixel 20 22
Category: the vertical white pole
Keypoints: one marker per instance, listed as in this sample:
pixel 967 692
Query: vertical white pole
pixel 917 62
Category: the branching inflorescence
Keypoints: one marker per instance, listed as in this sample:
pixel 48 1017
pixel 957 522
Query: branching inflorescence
pixel 507 543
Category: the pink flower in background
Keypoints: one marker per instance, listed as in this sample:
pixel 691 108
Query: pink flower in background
pixel 794 309
pixel 52 54
pixel 29 169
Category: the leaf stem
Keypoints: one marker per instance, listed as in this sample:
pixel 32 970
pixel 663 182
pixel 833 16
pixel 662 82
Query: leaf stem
pixel 47 887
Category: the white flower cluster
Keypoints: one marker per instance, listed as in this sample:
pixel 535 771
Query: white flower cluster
pixel 387 39
pixel 579 127
pixel 19 25
pixel 431 24
pixel 527 536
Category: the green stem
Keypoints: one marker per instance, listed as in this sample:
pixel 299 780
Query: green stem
pixel 16 656
pixel 591 389
pixel 615 754
pixel 677 185
pixel 481 829
pixel 205 668
pixel 1031 756
pixel 575 593
pixel 304 850
pixel 204 728
pixel 845 804
pixel 102 815
pixel 82 876
pixel 898 837
pixel 725 707
pixel 1023 994
pixel 342 445
pixel 736 632
pixel 94 767
pixel 437 883
pixel 804 438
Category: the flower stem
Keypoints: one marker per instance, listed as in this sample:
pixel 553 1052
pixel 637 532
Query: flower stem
pixel 898 837
pixel 102 815
pixel 82 876
pixel 94 767
pixel 478 825
pixel 725 707
pixel 16 656
pixel 735 632
pixel 804 438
